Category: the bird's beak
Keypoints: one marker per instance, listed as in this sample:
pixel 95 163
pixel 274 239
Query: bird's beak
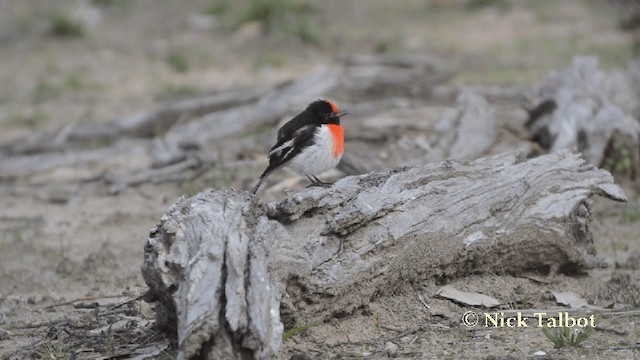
pixel 342 114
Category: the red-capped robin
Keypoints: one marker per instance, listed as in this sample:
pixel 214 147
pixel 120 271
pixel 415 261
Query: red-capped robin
pixel 310 144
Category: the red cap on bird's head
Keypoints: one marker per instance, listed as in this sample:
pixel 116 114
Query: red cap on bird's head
pixel 325 107
pixel 334 108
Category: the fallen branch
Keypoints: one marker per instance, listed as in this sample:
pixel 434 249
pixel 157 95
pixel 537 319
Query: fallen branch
pixel 144 125
pixel 90 298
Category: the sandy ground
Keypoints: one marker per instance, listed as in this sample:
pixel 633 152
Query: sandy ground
pixel 60 243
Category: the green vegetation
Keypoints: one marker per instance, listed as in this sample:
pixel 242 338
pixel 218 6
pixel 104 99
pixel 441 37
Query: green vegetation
pixel 298 329
pixel 289 18
pixel 44 90
pixel 629 216
pixel 177 61
pixel 479 4
pixel 64 27
pixel 306 30
pixel 119 4
pixel 567 336
pixel 378 323
pixel 74 81
pixel 218 8
pixel 48 89
pixel 55 351
pixel 273 14
pixel 618 159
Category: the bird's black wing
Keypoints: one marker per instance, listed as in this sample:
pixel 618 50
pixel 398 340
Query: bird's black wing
pixel 288 147
pixel 295 135
pixel 292 126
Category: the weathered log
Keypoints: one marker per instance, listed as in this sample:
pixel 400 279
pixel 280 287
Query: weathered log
pixel 585 108
pixel 223 267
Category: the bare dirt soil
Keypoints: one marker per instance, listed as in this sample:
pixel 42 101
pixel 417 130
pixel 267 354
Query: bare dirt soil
pixel 69 254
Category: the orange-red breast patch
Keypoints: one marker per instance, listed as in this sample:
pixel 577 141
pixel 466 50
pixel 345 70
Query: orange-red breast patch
pixel 337 134
pixel 334 108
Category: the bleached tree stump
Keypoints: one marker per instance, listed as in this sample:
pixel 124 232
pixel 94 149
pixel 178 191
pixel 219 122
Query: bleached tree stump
pixel 223 267
pixel 585 108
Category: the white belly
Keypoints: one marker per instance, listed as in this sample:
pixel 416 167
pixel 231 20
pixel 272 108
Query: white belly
pixel 317 158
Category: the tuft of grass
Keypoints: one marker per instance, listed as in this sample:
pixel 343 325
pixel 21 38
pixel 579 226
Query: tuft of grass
pixel 47 89
pixel 63 26
pixel 378 323
pixel 618 159
pixel 177 61
pixel 17 237
pixel 219 7
pixel 44 90
pixel 480 4
pixel 289 17
pixel 111 347
pixel 78 82
pixel 102 3
pixel 122 5
pixel 629 216
pixel 74 81
pixel 305 30
pixel 298 329
pixel 54 351
pixel 567 336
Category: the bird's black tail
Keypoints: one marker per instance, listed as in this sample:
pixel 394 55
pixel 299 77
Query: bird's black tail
pixel 264 175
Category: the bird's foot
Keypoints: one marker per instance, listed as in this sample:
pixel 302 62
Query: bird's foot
pixel 316 182
pixel 320 184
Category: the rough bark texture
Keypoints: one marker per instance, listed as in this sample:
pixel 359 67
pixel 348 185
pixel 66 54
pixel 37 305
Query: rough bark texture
pixel 206 264
pixel 224 266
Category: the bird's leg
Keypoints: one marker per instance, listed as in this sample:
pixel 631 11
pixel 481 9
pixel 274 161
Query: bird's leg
pixel 313 181
pixel 317 182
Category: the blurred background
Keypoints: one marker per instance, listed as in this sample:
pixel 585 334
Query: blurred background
pixel 91 61
pixel 112 109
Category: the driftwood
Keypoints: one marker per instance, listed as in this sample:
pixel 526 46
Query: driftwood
pixel 224 268
pixel 585 108
pixel 144 125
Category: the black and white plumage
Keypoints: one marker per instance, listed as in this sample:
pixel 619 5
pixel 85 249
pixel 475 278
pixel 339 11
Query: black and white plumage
pixel 311 143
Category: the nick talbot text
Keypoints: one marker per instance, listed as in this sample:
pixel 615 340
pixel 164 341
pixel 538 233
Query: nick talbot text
pixel 539 319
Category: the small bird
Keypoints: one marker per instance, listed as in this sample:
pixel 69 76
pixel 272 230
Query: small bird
pixel 311 143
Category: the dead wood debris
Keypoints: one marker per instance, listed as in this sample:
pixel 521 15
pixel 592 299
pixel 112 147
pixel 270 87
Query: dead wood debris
pixel 228 271
pixel 585 108
pixel 120 332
